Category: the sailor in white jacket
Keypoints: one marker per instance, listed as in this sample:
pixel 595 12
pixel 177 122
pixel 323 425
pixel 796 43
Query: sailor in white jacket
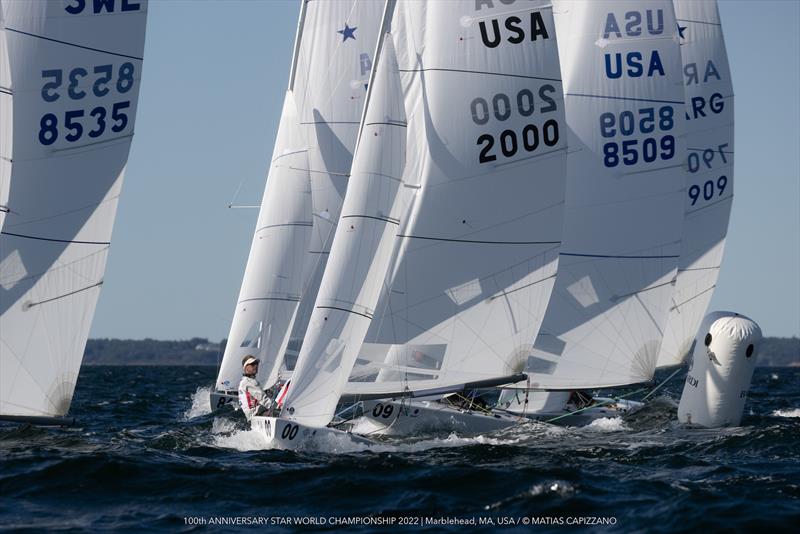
pixel 252 398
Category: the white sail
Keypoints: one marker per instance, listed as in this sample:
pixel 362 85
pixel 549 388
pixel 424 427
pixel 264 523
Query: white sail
pixel 483 196
pixel 76 69
pixel 6 121
pixel 332 58
pixel 625 186
pixel 361 251
pixel 709 192
pixel 273 282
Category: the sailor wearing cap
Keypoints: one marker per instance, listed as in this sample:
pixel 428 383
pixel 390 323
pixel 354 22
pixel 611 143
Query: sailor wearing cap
pixel 252 398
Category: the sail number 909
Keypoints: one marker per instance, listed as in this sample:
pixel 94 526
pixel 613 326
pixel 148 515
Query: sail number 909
pixel 510 140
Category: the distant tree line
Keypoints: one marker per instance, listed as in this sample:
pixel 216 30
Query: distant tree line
pixel 774 352
pixel 195 351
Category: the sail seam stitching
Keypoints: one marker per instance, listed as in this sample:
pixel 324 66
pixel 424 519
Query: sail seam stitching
pixel 75 45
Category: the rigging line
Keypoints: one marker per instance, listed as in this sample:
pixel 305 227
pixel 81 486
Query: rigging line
pixel 57 240
pixel 345 310
pixel 598 405
pixel 478 242
pixel 715 267
pixel 73 44
pixel 29 305
pixel 619 256
pixel 650 315
pixel 700 22
pixel 384 219
pixel 675 372
pixel 628 98
pixel 320 172
pixel 615 298
pixel 675 307
pixel 329 122
pixel 423 70
pixel 505 293
pixel 284 299
pixel 309 224
pixel 401 124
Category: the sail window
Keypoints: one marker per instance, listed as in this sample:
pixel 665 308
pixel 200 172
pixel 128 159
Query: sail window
pixel 463 293
pixel 12 270
pixel 549 344
pixel 583 291
pixel 539 365
pixel 253 337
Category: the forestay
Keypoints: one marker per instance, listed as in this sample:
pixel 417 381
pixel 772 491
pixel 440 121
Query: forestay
pixel 709 194
pixel 480 230
pixel 76 70
pixel 360 254
pixel 332 60
pixel 625 186
pixel 6 121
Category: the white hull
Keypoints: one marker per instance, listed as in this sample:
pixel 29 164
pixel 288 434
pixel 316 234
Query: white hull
pixel 289 435
pixel 573 417
pixel 408 418
pixel 220 399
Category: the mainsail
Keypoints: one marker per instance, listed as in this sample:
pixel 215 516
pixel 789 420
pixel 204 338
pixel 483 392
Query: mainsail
pixel 474 256
pixel 709 192
pixel 625 186
pixel 361 251
pixel 318 128
pixel 76 70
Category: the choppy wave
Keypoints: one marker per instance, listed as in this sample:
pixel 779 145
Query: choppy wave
pixel 147 453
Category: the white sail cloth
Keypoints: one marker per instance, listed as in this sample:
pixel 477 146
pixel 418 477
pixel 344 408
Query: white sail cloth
pixel 273 282
pixel 484 185
pixel 709 190
pixel 625 186
pixel 360 255
pixel 333 50
pixel 76 70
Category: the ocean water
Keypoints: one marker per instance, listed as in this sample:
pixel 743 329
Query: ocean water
pixel 146 453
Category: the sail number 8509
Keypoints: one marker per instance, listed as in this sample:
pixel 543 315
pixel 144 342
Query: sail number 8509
pixel 646 121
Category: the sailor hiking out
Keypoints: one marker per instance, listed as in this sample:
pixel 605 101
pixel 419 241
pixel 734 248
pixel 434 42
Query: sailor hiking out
pixel 252 398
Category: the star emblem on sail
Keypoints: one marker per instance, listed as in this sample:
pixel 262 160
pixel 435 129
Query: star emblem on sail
pixel 348 32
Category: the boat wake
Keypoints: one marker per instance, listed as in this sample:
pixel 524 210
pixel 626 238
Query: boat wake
pixel 787 413
pixel 201 403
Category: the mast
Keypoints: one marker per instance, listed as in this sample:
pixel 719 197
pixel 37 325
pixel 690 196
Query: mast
pixel 6 121
pixel 709 190
pixel 76 70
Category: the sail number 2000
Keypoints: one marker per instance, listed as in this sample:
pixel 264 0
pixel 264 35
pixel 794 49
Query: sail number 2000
pixel 501 107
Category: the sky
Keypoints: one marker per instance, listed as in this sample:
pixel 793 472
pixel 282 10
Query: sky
pixel 211 93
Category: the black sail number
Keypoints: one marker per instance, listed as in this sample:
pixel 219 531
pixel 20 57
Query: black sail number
pixel 509 140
